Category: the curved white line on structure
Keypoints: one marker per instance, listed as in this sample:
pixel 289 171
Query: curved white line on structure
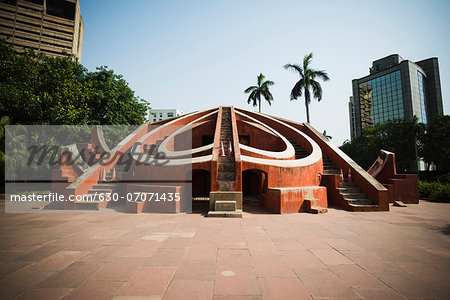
pixel 287 153
pixel 175 154
pixel 313 157
pixel 172 157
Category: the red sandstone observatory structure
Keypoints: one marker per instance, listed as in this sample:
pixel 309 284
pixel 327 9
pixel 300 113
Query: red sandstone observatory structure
pixel 235 153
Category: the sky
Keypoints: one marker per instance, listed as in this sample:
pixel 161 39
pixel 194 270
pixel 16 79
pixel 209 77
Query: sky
pixel 194 55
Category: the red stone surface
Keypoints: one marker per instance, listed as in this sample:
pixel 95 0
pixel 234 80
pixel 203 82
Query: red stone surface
pixel 386 255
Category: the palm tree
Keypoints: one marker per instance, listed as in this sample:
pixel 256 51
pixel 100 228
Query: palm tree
pixel 261 89
pixel 307 82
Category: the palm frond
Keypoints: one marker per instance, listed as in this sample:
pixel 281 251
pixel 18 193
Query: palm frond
pixel 294 68
pixel 321 74
pixel 251 88
pixel 317 90
pixel 267 83
pixel 267 95
pixel 307 60
pixel 260 79
pixel 252 97
pixel 297 90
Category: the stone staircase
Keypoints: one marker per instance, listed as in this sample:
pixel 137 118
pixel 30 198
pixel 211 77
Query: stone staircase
pixel 97 197
pixel 313 206
pixel 329 167
pixel 225 200
pixel 299 151
pixel 151 149
pixel 353 195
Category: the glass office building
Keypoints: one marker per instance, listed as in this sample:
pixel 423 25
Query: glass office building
pixel 395 89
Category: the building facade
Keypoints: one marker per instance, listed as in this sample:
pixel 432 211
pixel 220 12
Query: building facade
pixel 54 27
pixel 156 115
pixel 395 89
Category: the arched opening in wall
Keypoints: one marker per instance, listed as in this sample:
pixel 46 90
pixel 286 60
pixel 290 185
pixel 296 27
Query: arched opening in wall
pixel 201 186
pixel 254 188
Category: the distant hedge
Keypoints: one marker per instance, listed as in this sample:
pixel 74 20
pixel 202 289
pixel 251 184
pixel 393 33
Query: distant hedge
pixel 434 191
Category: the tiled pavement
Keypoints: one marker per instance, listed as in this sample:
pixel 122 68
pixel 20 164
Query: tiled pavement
pixel 377 255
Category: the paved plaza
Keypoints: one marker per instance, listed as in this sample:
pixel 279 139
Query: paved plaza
pixel 404 253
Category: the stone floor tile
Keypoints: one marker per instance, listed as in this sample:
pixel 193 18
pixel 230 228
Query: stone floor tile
pixel 196 270
pixel 237 297
pixel 331 257
pixel 43 294
pixel 165 257
pixel 17 282
pixel 59 260
pixel 325 284
pixel 342 244
pixel 410 286
pixel 190 290
pixel 95 289
pixel 283 288
pixel 119 270
pixel 234 258
pixel 378 293
pixel 257 247
pixel 72 276
pixel 302 260
pixel 236 281
pixel 356 277
pixel 201 253
pixel 271 266
pixel 148 281
pixel 11 266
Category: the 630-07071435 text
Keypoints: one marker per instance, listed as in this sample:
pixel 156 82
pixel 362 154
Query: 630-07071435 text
pixel 135 196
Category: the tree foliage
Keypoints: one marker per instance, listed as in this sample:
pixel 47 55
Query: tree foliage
pixel 261 89
pixel 307 81
pixel 397 136
pixel 39 89
pixel 435 143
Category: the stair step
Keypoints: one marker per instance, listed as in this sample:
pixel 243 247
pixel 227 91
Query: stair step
pixel 90 205
pixel 353 195
pixel 347 185
pixel 226 185
pixel 226 167
pixel 363 202
pixel 99 191
pixel 346 190
pixel 226 176
pixel 104 186
pixel 225 205
pixel 317 210
pixel 225 214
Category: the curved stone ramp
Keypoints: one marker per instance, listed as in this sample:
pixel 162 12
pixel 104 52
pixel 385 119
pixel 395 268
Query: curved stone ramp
pixel 293 180
pixel 401 187
pixel 98 140
pixel 364 193
pixel 314 156
pixel 83 185
pixel 183 157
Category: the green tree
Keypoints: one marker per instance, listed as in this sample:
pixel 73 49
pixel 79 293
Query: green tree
pixel 262 88
pixel 435 143
pixel 307 82
pixel 397 136
pixel 39 89
pixel 112 101
pixel 3 122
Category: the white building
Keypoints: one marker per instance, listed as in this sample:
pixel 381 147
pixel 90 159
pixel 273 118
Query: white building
pixel 156 115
